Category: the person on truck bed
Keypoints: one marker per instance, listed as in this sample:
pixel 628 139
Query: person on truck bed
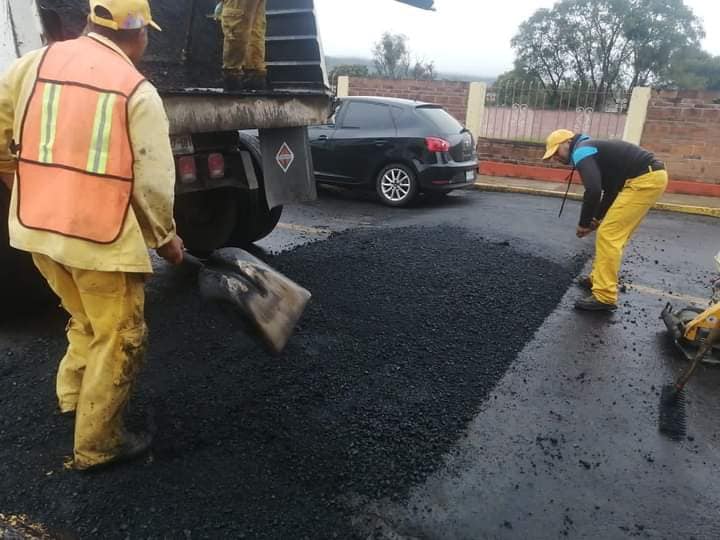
pixel 93 190
pixel 243 25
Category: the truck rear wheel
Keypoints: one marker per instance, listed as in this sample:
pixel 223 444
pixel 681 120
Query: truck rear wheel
pixel 255 223
pixel 20 283
pixel 254 220
pixel 206 219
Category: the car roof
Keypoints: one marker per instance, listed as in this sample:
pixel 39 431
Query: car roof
pixel 391 101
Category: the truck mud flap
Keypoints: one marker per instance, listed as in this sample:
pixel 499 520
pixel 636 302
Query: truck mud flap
pixel 287 166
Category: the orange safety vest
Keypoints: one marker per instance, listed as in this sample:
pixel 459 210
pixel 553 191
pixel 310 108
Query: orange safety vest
pixel 75 163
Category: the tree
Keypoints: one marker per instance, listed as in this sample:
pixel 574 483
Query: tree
pixel 659 30
pixel 424 71
pixel 602 43
pixel 693 68
pixel 391 56
pixel 350 70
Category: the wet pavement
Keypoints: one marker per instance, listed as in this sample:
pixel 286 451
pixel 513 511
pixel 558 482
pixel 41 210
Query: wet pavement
pixel 565 445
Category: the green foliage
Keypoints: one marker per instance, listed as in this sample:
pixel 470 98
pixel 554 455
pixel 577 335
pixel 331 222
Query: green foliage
pixel 693 68
pixel 350 70
pixel 391 56
pixel 604 43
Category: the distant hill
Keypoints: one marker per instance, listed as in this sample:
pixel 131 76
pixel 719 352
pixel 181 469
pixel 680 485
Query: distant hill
pixel 334 61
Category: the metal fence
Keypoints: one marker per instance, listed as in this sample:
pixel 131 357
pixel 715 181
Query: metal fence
pixel 522 111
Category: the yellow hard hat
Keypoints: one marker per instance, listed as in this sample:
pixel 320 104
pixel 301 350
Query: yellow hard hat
pixel 555 139
pixel 126 14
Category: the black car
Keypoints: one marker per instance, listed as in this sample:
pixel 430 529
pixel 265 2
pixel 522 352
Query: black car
pixel 396 146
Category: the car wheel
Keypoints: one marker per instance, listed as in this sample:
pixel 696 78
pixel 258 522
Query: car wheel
pixel 397 185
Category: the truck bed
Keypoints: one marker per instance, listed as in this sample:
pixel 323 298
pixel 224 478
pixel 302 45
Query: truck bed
pixel 184 62
pixel 186 58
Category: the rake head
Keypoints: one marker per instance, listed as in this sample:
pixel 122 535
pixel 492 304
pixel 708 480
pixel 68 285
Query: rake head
pixel 673 418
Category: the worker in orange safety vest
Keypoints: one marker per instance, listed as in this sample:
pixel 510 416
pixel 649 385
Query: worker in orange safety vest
pixel 87 140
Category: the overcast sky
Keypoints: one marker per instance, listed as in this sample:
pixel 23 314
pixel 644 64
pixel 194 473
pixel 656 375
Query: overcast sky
pixel 466 36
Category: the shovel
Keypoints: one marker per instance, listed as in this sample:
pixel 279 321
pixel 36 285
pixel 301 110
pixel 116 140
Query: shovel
pixel 269 299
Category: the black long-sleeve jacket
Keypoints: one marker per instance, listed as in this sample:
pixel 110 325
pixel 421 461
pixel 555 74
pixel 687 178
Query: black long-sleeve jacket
pixel 604 167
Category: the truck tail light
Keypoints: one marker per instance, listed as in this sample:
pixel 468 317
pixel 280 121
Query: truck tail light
pixel 434 144
pixel 216 165
pixel 187 169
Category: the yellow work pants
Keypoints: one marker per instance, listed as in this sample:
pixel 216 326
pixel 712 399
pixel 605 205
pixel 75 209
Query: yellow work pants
pixel 623 217
pixel 106 346
pixel 243 24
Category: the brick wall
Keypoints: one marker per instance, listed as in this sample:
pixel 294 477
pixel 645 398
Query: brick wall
pixel 683 129
pixel 452 95
pixel 510 151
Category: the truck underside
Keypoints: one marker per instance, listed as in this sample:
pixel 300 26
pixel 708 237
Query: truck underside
pixel 230 187
pixel 230 190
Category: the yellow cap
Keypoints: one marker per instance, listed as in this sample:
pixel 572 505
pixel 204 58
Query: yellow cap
pixel 555 139
pixel 126 14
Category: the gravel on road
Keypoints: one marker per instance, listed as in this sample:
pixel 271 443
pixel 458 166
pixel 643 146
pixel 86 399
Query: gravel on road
pixel 408 331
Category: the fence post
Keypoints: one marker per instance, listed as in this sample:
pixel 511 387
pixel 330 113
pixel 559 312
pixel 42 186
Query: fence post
pixel 637 114
pixel 343 86
pixel 475 108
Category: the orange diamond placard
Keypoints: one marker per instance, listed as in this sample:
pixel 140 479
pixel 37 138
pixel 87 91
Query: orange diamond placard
pixel 285 157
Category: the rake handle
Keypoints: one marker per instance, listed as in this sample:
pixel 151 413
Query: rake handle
pixel 705 346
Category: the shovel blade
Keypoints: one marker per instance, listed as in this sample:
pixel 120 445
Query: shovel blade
pixel 272 301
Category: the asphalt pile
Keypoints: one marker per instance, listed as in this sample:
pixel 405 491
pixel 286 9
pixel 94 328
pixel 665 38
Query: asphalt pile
pixel 407 333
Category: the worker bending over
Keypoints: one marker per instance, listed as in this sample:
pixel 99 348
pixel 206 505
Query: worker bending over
pixel 622 182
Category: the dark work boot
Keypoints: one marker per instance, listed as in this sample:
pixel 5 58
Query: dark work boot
pixel 584 282
pixel 590 303
pixel 233 80
pixel 254 80
pixel 135 446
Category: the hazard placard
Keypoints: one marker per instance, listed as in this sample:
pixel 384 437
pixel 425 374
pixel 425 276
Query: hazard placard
pixel 285 157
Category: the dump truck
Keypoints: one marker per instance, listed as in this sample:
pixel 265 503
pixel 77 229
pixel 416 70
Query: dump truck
pixel 231 186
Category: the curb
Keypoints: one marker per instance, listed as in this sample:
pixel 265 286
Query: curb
pixel 662 206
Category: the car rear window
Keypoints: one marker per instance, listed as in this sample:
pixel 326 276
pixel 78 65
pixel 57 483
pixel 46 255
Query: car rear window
pixel 368 116
pixel 441 119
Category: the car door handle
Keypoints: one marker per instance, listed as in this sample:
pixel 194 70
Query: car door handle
pixel 380 142
pixel 323 138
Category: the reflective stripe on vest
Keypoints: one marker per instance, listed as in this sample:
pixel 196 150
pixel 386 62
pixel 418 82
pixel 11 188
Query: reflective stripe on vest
pixel 75 169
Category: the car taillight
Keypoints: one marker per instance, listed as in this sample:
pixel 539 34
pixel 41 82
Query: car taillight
pixel 187 169
pixel 216 165
pixel 435 144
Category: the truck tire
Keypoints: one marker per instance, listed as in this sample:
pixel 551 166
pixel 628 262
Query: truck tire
pixel 254 219
pixel 206 219
pixel 254 224
pixel 20 283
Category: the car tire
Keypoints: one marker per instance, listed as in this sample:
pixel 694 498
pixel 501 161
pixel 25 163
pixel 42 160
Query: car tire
pixel 397 185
